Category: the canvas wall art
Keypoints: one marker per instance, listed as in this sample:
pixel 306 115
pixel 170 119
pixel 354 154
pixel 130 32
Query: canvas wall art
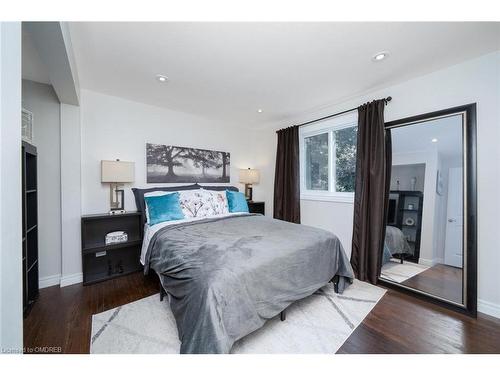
pixel 173 164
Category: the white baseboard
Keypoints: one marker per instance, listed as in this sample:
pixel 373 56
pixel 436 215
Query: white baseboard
pixel 45 282
pixel 74 278
pixel 488 308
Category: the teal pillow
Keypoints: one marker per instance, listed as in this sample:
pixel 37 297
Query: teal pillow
pixel 163 208
pixel 236 201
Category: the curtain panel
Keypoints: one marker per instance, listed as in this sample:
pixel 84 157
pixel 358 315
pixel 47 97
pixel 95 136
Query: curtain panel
pixel 373 167
pixel 287 179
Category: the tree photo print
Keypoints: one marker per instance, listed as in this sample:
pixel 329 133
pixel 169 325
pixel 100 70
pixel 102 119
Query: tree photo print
pixel 172 164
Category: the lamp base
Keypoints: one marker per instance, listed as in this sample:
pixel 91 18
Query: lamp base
pixel 248 191
pixel 116 198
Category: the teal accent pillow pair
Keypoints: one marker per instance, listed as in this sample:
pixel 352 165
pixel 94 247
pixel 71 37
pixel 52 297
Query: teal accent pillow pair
pixel 163 208
pixel 236 201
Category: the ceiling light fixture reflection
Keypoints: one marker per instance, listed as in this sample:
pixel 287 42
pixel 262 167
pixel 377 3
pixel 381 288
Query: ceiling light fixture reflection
pixel 380 56
pixel 161 78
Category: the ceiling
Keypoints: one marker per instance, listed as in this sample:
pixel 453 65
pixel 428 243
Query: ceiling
pixel 227 71
pixel 418 137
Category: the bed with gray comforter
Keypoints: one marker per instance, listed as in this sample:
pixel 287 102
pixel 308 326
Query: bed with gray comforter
pixel 226 276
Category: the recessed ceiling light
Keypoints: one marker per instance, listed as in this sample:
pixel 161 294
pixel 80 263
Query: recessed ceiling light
pixel 260 110
pixel 161 78
pixel 434 140
pixel 380 56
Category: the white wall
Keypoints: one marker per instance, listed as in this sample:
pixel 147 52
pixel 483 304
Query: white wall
pixel 115 128
pixel 42 100
pixel 11 305
pixel 404 174
pixel 71 260
pixel 476 81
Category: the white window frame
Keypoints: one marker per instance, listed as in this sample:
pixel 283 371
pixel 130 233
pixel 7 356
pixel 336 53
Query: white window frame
pixel 326 126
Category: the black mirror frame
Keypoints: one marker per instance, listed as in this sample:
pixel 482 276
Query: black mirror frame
pixel 469 306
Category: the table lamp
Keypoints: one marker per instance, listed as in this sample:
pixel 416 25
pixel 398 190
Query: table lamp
pixel 116 172
pixel 249 177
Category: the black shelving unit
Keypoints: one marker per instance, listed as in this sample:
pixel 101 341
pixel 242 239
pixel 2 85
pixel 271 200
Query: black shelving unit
pixel 30 225
pixel 103 262
pixel 405 198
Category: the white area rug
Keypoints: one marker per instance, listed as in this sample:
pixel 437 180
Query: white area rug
pixel 320 323
pixel 395 271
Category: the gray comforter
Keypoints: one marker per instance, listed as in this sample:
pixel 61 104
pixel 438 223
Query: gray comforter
pixel 227 276
pixel 396 241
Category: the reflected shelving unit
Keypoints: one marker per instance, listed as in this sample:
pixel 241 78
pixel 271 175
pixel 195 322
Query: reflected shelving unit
pixel 409 219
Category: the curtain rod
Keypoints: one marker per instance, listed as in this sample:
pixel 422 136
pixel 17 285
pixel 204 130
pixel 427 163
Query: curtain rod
pixel 388 99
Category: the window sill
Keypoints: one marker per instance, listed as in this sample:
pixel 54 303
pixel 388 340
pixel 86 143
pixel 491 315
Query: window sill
pixel 327 198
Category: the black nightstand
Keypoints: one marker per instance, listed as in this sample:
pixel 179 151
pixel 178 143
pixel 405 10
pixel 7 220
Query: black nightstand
pixel 103 262
pixel 256 207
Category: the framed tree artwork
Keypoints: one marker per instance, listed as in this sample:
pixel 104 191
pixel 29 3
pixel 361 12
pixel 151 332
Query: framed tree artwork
pixel 174 164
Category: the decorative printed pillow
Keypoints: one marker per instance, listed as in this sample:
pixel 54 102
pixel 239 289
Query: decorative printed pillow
pixel 217 201
pixel 194 203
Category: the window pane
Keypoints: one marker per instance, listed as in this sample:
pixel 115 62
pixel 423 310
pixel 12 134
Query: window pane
pixel 316 150
pixel 345 154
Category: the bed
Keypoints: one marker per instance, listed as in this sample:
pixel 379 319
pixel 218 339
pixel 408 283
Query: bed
pixel 226 275
pixel 395 243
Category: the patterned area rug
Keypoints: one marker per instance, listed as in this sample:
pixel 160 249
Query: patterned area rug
pixel 395 271
pixel 320 323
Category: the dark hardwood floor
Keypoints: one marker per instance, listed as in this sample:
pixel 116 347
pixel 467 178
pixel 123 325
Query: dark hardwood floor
pixel 405 324
pixel 439 280
pixel 398 324
pixel 62 317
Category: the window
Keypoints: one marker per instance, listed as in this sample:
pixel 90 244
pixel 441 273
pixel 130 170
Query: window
pixel 316 152
pixel 328 159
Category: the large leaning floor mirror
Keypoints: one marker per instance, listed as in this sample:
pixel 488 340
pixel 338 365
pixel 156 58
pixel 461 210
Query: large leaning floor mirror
pixel 430 240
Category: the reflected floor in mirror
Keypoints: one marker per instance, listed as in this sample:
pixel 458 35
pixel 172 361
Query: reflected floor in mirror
pixel 440 280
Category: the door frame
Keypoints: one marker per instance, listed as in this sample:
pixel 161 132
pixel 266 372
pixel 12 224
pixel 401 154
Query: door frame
pixel 447 255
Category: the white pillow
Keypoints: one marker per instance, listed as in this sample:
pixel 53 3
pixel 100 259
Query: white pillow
pixel 154 194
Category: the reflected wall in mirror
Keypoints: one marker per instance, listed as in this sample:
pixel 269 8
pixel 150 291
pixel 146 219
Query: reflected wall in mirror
pixel 425 247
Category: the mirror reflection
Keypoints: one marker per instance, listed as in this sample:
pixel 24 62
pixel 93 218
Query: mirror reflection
pixel 423 247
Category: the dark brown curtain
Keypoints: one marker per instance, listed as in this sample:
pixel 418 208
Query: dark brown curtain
pixel 373 166
pixel 286 179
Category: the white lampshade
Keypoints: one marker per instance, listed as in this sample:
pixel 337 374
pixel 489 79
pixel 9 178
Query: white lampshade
pixel 249 176
pixel 117 171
